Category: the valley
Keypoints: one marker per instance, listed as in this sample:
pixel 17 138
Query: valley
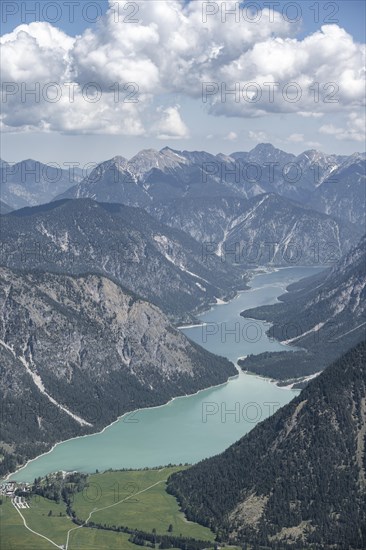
pixel 194 427
pixel 182 275
pixel 321 315
pixel 151 324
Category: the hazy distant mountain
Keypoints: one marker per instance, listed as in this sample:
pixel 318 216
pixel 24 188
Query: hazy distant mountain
pixel 77 352
pixel 4 208
pixel 159 175
pixel 161 264
pixel 110 181
pixel 205 219
pixel 331 184
pixel 323 316
pixel 31 182
pixel 265 153
pixel 267 229
pixel 314 179
pixel 298 479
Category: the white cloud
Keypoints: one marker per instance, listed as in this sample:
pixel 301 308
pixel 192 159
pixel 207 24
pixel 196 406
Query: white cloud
pixel 329 129
pixel 37 52
pixel 310 114
pixel 313 144
pixel 258 136
pixel 355 129
pixel 171 125
pixel 231 136
pixel 171 50
pixel 296 138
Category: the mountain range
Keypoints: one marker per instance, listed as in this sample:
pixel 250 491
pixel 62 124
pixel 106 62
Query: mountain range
pixel 332 184
pixel 266 205
pixel 161 264
pixel 316 180
pixel 94 277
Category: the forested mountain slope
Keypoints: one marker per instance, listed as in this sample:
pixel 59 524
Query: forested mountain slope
pixel 299 477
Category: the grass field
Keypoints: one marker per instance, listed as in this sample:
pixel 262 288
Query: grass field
pixel 55 527
pixel 14 536
pixel 152 509
pixel 135 499
pixel 94 539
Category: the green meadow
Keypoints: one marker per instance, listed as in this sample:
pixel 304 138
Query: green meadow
pixel 136 499
pixel 133 499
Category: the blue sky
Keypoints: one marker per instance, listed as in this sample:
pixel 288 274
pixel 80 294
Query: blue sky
pixel 170 110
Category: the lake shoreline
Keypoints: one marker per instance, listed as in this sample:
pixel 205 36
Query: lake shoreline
pixel 250 276
pixel 120 418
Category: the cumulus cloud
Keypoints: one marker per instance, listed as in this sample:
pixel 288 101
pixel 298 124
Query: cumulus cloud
pixel 313 144
pixel 310 114
pixel 258 136
pixel 37 52
pixel 231 136
pixel 171 125
pixel 354 130
pixel 247 68
pixel 40 89
pixel 296 138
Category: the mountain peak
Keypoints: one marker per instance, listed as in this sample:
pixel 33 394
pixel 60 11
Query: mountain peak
pixel 119 159
pixel 147 159
pixel 264 147
pixel 145 153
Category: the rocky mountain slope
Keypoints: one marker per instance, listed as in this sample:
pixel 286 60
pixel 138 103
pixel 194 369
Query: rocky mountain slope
pixel 323 316
pixel 297 479
pixel 4 208
pixel 332 184
pixel 156 175
pixel 161 264
pixel 77 352
pixel 267 229
pixel 343 193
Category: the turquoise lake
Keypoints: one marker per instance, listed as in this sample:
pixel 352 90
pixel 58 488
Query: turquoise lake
pixel 193 427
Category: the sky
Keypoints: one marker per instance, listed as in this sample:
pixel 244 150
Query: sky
pixel 83 81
